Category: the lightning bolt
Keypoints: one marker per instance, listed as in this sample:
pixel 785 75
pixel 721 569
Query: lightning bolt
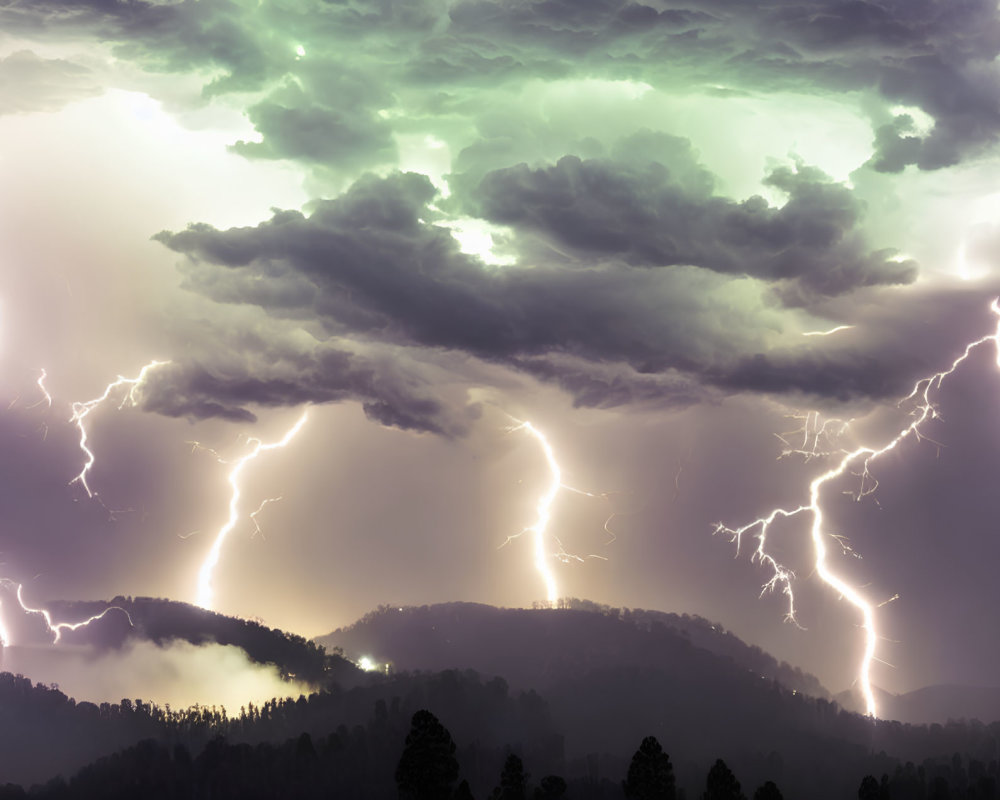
pixel 55 628
pixel 544 508
pixel 46 397
pixel 4 635
pixel 212 559
pixel 829 332
pixel 858 460
pixel 81 411
pixel 253 515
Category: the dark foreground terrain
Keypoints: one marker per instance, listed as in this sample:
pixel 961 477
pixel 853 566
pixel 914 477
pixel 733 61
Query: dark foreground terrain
pixel 506 704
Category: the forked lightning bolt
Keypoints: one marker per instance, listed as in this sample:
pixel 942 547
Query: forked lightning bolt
pixel 540 526
pixel 82 410
pixel 858 460
pixel 55 628
pixel 212 559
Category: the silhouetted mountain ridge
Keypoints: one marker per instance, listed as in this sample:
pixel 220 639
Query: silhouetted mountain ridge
pixel 610 679
pixel 933 704
pixel 555 644
pixel 162 621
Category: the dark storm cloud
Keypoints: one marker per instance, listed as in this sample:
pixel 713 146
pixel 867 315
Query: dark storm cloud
pixel 327 115
pixel 387 393
pixel 174 37
pixel 899 339
pixel 645 216
pixel 317 134
pixel 374 268
pixel 368 265
pixel 31 83
pixel 937 55
pixel 607 385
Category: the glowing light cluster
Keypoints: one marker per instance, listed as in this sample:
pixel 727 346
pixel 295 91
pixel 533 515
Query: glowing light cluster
pixel 81 410
pixel 205 592
pixel 858 460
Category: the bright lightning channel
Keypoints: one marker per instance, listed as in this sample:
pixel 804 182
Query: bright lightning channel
pixel 544 507
pixel 205 592
pixel 4 634
pixel 55 628
pixel 861 458
pixel 829 332
pixel 82 410
pixel 46 397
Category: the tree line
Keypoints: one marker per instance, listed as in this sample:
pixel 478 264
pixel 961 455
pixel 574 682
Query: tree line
pixel 377 761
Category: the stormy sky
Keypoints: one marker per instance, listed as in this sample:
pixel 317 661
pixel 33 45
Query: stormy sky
pixel 426 220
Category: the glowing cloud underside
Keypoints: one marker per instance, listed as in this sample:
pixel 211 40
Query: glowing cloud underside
pixel 859 461
pixel 205 592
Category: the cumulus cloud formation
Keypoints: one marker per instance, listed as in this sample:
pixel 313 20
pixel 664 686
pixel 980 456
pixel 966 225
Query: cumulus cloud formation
pixel 642 215
pixel 934 55
pixel 664 274
pixel 388 392
pixel 637 272
pixel 366 264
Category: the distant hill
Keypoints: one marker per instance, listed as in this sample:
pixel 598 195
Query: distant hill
pixel 552 644
pixel 162 621
pixel 934 704
pixel 611 677
pixel 580 688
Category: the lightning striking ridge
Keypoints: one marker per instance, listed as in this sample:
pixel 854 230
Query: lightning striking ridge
pixel 539 527
pixel 82 410
pixel 858 459
pixel 212 559
pixel 55 628
pixel 544 512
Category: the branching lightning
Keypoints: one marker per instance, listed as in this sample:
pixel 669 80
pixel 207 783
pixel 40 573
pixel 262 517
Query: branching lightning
pixel 814 435
pixel 205 592
pixel 253 515
pixel 540 526
pixel 82 410
pixel 55 628
pixel 537 529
